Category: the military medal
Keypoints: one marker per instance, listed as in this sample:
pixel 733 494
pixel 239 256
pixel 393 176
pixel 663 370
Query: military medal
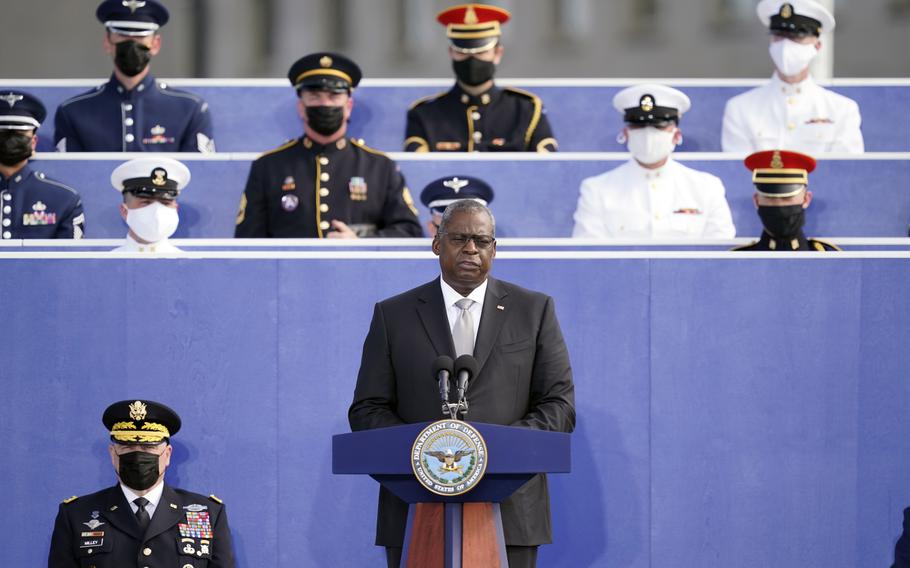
pixel 358 188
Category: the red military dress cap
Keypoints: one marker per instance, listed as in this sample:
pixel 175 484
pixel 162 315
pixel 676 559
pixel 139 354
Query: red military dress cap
pixel 472 28
pixel 780 173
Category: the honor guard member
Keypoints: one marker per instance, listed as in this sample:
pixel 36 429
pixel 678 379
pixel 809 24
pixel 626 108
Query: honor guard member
pixel 781 197
pixel 133 112
pixel 439 194
pixel 323 184
pixel 475 115
pixel 141 521
pixel 32 206
pixel 652 196
pixel 150 187
pixel 792 111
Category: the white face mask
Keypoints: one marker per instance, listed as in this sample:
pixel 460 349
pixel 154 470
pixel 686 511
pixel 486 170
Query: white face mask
pixel 154 222
pixel 649 145
pixel 790 57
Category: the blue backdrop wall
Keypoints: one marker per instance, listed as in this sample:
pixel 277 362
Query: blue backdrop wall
pixel 732 411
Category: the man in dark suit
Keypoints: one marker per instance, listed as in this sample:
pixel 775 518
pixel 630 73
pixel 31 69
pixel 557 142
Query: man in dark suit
pixel 524 377
pixel 141 521
pixel 902 547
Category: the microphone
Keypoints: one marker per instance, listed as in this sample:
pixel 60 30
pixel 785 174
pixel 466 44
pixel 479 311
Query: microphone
pixel 465 369
pixel 442 369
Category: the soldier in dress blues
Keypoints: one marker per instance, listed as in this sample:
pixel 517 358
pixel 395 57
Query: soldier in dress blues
pixel 142 521
pixel 781 198
pixel 324 185
pixel 475 115
pixel 133 112
pixel 32 206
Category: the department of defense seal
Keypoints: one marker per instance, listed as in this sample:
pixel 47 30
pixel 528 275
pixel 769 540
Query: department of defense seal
pixel 449 457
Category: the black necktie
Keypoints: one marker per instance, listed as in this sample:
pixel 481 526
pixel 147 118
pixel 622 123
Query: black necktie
pixel 142 516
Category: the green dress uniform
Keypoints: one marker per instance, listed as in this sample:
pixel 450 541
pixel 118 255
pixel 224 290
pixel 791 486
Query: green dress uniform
pixel 188 530
pixel 297 189
pixel 505 120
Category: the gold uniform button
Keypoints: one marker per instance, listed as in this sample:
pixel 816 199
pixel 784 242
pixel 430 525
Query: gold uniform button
pixel 187 566
pixel 147 551
pixel 657 217
pixel 324 161
pixel 478 136
pixel 323 191
pixel 324 208
pixel 324 225
pixel 475 116
pixel 324 176
pixel 791 126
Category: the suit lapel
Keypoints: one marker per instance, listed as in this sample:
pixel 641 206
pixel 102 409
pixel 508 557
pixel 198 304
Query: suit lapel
pixel 118 512
pixel 432 311
pixel 165 515
pixel 495 310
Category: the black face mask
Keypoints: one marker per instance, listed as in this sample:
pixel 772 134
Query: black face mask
pixel 325 120
pixel 14 147
pixel 131 58
pixel 139 470
pixel 782 222
pixel 473 71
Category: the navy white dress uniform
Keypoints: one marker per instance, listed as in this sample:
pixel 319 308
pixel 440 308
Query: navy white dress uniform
pixel 152 117
pixel 32 205
pixel 297 189
pixel 501 119
pixel 803 117
pixel 668 202
pixel 157 178
pixel 779 174
pixel 104 529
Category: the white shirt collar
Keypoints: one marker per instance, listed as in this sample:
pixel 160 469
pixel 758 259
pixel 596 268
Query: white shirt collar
pixel 657 172
pixel 153 496
pixel 450 296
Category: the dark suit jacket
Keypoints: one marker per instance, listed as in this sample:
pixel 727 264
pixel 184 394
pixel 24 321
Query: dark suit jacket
pixel 524 379
pixel 902 548
pixel 122 543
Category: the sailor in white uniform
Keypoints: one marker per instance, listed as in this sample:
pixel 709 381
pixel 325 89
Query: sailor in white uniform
pixel 791 111
pixel 150 187
pixel 652 196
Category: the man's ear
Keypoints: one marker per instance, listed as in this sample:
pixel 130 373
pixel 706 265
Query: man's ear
pixel 436 245
pixel 301 109
pixel 123 211
pixel 808 199
pixel 497 57
pixel 156 45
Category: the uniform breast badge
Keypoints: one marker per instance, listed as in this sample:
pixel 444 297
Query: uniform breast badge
pixel 358 188
pixel 449 457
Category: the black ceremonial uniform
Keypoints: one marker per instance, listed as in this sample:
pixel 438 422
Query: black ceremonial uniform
pixel 800 243
pixel 100 530
pixel 33 206
pixel 297 189
pixel 505 120
pixel 151 118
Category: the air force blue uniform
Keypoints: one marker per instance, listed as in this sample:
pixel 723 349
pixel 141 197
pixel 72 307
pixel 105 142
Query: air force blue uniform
pixel 151 118
pixel 33 206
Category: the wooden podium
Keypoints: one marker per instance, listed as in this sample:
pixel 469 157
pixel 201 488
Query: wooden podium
pixel 463 531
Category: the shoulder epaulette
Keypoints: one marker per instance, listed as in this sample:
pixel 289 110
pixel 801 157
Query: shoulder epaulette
pixel 70 500
pixel 360 144
pixel 427 99
pixel 745 247
pixel 284 146
pixel 535 117
pixel 821 245
pixel 216 499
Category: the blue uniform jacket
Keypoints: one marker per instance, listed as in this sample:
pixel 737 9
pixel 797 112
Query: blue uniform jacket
pixel 150 118
pixel 33 206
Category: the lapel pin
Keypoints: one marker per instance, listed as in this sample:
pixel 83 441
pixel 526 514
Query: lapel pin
pixel 498 307
pixel 114 508
pixel 173 506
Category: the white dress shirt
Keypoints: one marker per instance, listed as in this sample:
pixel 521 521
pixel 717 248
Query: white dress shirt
pixel 153 497
pixel 450 297
pixel 671 202
pixel 132 245
pixel 803 117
